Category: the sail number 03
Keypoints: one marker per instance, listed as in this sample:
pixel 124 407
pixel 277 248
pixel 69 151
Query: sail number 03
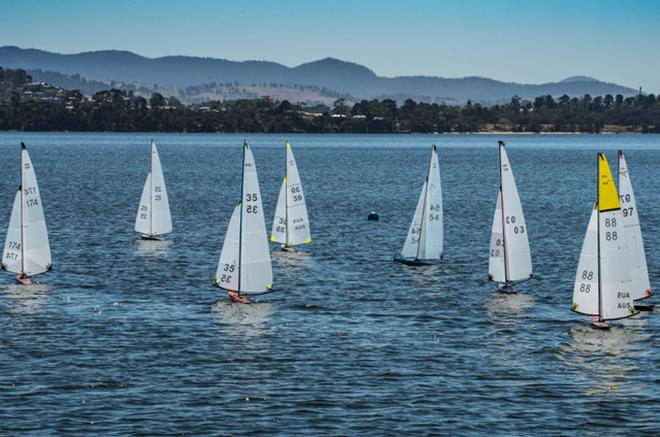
pixel 511 220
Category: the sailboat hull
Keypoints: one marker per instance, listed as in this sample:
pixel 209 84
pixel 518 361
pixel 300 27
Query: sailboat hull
pixel 238 298
pixel 603 326
pixel 151 237
pixel 413 261
pixel 23 280
pixel 644 306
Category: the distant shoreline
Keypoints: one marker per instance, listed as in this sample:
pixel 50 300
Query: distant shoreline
pixel 482 133
pixel 26 105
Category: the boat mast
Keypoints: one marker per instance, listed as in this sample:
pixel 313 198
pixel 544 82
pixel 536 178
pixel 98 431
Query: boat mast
pixel 286 193
pixel 23 147
pixel 506 263
pixel 426 192
pixel 240 221
pixel 600 300
pixel 151 191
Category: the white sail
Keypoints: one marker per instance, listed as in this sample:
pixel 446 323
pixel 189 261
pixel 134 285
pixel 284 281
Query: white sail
pixel 143 216
pixel 27 250
pixel 278 232
pixel 256 274
pixel 227 273
pixel 291 223
pixel 12 257
pixel 496 259
pixel 297 223
pixel 432 235
pixel 518 261
pixel 641 287
pixel 611 279
pixel 153 216
pixel 411 246
pixel 585 291
pixel 161 220
pixel 615 280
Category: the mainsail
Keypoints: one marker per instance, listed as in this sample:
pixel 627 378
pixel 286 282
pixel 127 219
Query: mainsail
pixel 602 282
pixel 425 239
pixel 245 264
pixel 291 223
pixel 641 286
pixel 153 216
pixel 509 249
pixel 27 250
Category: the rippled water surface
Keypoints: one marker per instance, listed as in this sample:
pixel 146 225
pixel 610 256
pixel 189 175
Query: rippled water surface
pixel 129 337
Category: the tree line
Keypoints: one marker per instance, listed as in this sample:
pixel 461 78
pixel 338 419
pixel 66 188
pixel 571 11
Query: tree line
pixel 29 106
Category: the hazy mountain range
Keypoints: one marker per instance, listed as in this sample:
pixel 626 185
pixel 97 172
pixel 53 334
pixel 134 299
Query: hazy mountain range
pixel 329 78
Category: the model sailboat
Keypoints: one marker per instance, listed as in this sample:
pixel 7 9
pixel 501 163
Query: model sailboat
pixel 641 286
pixel 153 218
pixel 425 240
pixel 291 224
pixel 245 267
pixel 603 285
pixel 510 260
pixel 27 251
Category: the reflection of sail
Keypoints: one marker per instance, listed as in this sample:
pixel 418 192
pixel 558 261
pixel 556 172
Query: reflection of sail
pixel 156 248
pixel 290 259
pixel 605 358
pixel 244 320
pixel 25 299
pixel 507 307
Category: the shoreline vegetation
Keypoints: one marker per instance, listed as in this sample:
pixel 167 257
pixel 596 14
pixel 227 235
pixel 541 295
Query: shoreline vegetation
pixel 26 105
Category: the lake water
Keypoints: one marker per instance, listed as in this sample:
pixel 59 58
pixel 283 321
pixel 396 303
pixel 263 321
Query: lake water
pixel 130 337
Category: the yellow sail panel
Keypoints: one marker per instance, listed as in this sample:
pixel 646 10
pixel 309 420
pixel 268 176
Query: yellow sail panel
pixel 608 198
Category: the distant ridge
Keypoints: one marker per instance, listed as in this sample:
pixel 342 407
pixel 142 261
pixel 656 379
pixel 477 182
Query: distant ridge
pixel 340 77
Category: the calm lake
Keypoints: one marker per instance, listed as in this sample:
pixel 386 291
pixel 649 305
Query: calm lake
pixel 130 337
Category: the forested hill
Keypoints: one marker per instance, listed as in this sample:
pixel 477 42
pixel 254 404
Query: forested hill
pixel 28 105
pixel 337 77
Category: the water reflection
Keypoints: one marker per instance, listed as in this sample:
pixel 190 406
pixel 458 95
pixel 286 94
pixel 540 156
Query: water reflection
pixel 606 358
pixel 290 259
pixel 508 307
pixel 242 320
pixel 26 299
pixel 154 248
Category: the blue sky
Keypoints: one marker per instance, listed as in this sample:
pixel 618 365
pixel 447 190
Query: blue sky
pixel 523 41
